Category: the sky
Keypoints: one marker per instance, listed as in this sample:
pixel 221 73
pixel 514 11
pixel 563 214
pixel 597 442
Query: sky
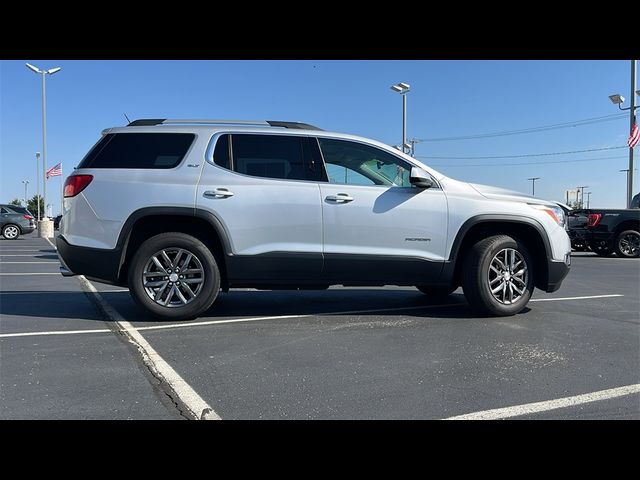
pixel 447 99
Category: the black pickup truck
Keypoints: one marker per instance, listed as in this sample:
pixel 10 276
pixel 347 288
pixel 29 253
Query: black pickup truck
pixel 609 231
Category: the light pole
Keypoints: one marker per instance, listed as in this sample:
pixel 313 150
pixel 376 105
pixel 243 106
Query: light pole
pixel 533 185
pixel 44 73
pixel 26 182
pixel 403 89
pixel 618 99
pixel 38 182
pixel 588 199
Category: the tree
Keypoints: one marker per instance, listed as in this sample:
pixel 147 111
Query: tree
pixel 32 205
pixel 15 202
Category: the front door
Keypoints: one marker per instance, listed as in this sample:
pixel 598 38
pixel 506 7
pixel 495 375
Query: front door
pixel 378 228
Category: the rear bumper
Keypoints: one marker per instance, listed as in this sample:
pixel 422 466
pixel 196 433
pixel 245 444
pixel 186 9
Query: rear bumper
pixel 557 271
pixel 28 229
pixel 95 263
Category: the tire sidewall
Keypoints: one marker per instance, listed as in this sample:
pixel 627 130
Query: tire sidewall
pixel 617 246
pixel 210 287
pixel 493 305
pixel 4 229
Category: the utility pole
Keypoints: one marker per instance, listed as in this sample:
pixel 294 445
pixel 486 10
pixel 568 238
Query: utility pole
pixel 533 185
pixel 413 142
pixel 588 199
pixel 403 88
pixel 26 182
pixel 581 189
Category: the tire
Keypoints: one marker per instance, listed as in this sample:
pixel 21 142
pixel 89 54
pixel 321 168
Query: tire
pixel 628 244
pixel 10 231
pixel 480 272
pixel 438 292
pixel 173 302
pixel 602 251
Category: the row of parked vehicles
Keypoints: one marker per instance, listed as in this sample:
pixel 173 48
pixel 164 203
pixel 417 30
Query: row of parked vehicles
pixel 606 232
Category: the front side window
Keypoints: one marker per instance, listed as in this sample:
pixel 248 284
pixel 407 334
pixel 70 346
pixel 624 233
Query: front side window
pixel 358 164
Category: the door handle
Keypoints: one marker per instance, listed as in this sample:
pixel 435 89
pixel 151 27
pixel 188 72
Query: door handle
pixel 339 198
pixel 218 193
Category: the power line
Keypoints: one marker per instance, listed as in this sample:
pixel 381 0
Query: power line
pixel 522 156
pixel 543 128
pixel 528 163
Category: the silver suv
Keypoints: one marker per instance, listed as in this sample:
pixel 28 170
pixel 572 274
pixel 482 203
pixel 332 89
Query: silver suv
pixel 177 210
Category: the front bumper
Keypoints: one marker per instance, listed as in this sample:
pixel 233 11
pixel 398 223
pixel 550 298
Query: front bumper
pixel 557 271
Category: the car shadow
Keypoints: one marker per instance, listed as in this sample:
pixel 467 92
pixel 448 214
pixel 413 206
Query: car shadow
pixel 238 304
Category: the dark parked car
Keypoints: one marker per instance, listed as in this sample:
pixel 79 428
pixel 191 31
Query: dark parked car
pixel 56 222
pixel 15 221
pixel 577 229
pixel 618 231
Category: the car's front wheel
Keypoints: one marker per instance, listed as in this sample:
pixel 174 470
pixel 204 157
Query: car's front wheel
pixel 10 232
pixel 498 276
pixel 174 276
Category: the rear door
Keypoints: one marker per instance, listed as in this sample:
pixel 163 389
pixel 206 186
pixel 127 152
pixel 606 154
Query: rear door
pixel 263 189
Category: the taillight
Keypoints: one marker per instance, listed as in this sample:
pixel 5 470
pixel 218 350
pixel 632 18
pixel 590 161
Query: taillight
pixel 593 219
pixel 75 184
pixel 28 217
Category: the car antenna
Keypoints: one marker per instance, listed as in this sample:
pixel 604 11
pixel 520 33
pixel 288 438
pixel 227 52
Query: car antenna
pixel 125 116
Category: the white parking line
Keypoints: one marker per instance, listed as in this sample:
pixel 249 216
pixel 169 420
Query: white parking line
pixel 34 273
pixel 575 298
pixel 59 332
pixel 30 255
pixel 198 408
pixel 27 263
pixel 529 408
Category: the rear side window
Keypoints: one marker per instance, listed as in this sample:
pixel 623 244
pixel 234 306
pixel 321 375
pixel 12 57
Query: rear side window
pixel 138 150
pixel 280 157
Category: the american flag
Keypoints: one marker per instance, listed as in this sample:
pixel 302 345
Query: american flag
pixel 54 171
pixel 635 136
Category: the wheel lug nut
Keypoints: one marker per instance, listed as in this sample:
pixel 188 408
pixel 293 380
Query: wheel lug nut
pixel 170 283
pixel 166 278
pixel 169 270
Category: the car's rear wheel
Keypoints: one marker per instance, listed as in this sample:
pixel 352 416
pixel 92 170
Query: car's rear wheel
pixel 628 244
pixel 498 276
pixel 11 232
pixel 174 276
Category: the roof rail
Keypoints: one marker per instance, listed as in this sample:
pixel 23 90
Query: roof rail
pixel 260 123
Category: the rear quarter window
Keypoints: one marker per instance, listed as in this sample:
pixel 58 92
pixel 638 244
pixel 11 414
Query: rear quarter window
pixel 139 150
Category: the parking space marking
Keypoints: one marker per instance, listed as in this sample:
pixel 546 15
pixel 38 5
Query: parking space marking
pixel 198 408
pixel 529 408
pixel 34 273
pixel 59 332
pixel 558 299
pixel 25 263
pixel 14 255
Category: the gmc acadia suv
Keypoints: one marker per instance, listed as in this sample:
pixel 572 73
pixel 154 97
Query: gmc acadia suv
pixel 177 210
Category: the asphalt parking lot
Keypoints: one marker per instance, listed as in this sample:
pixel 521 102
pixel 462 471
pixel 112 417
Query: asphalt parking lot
pixel 344 353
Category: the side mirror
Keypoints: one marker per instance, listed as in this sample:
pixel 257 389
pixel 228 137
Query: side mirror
pixel 419 178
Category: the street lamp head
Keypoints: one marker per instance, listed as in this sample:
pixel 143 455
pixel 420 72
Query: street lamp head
pixel 33 68
pixel 401 88
pixel 407 145
pixel 37 154
pixel 51 71
pixel 616 99
pixel 638 92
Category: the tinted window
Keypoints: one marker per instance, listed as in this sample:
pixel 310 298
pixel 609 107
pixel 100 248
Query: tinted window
pixel 4 210
pixel 635 202
pixel 221 153
pixel 358 164
pixel 138 150
pixel 270 156
pixel 21 210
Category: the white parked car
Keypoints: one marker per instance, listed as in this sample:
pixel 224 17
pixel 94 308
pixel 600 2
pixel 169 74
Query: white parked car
pixel 178 210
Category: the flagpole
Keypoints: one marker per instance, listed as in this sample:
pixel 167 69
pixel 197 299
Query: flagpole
pixel 632 121
pixel 61 190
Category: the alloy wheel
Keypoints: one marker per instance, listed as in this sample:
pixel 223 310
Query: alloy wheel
pixel 173 277
pixel 629 244
pixel 507 276
pixel 11 232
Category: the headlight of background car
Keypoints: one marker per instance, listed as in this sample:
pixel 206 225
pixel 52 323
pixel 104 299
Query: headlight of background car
pixel 553 211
